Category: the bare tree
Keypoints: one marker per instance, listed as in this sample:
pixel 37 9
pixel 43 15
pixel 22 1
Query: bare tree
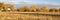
pixel 24 9
pixel 35 8
pixel 1 5
pixel 56 10
pixel 59 10
pixel 44 9
pixel 51 10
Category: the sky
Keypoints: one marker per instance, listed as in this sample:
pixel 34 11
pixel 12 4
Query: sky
pixel 40 3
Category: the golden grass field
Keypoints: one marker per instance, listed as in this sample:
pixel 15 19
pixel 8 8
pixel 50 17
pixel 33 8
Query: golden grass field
pixel 25 16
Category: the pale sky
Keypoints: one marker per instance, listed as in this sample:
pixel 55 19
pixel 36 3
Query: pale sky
pixel 50 3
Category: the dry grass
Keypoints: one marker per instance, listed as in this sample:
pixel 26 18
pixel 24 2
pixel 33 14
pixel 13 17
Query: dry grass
pixel 8 16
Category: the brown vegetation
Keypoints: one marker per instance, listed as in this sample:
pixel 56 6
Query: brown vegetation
pixel 27 16
pixel 34 8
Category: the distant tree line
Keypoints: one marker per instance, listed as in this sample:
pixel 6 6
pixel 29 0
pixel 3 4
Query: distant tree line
pixel 34 8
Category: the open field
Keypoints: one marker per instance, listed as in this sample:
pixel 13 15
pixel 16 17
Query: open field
pixel 29 16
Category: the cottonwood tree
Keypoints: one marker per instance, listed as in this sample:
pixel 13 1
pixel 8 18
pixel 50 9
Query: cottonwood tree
pixel 35 8
pixel 24 9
